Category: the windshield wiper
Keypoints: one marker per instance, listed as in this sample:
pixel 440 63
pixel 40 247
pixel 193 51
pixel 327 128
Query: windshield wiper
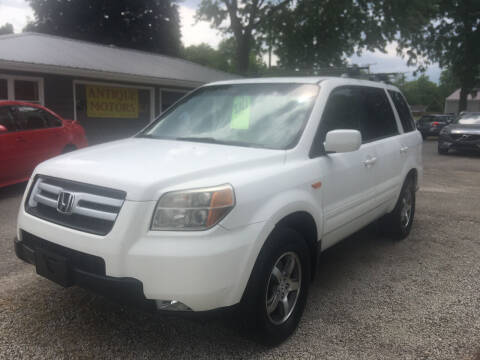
pixel 146 136
pixel 211 140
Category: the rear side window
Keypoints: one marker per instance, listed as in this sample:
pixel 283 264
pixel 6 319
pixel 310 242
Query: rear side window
pixel 403 111
pixel 52 121
pixel 377 118
pixel 30 118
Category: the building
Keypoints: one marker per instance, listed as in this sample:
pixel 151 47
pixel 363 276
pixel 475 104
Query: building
pixel 452 102
pixel 113 92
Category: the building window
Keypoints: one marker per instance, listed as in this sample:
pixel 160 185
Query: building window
pixel 21 88
pixel 168 98
pixel 26 90
pixel 3 89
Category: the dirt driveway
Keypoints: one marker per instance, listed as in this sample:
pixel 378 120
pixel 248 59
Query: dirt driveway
pixel 372 298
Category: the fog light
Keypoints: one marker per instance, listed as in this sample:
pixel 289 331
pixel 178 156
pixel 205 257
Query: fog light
pixel 172 305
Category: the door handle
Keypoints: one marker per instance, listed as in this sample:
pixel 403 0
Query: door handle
pixel 20 139
pixel 404 149
pixel 369 162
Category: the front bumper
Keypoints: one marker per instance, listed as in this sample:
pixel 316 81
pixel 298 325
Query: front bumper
pixel 204 270
pixel 445 142
pixel 69 267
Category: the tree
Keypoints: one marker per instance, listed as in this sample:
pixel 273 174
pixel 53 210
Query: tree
pixel 138 24
pixel 6 29
pixel 448 32
pixel 448 83
pixel 422 91
pixel 204 54
pixel 246 18
pixel 223 59
pixel 314 34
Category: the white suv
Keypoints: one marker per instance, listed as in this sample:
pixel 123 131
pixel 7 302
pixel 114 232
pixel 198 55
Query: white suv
pixel 227 199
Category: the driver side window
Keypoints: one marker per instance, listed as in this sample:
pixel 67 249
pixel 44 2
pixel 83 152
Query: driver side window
pixel 6 118
pixel 342 111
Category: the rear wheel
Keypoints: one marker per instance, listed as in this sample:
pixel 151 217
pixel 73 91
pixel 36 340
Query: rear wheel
pixel 276 293
pixel 399 222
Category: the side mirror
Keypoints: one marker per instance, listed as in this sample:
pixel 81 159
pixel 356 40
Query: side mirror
pixel 3 129
pixel 339 141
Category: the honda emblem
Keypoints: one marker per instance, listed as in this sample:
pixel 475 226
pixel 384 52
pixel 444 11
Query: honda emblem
pixel 65 202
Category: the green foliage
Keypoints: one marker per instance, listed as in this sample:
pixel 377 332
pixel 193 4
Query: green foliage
pixel 6 29
pixel 204 54
pixel 422 91
pixel 224 58
pixel 138 24
pixel 314 34
pixel 447 32
pixel 448 83
pixel 245 19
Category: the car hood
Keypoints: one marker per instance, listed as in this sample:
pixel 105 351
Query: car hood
pixel 463 129
pixel 144 167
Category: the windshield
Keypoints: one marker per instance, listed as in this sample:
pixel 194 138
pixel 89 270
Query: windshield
pixel 256 115
pixel 469 119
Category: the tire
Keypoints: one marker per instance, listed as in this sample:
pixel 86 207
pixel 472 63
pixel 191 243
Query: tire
pixel 262 312
pixel 399 222
pixel 442 151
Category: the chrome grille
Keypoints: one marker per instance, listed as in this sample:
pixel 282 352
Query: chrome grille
pixel 84 207
pixel 465 137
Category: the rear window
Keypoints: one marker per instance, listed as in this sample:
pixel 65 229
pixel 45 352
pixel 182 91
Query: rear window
pixel 403 111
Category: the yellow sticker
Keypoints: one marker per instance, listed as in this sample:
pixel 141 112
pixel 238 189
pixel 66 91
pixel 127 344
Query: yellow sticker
pixel 240 113
pixel 111 102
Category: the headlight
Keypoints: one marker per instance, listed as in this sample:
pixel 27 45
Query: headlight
pixel 196 209
pixel 444 131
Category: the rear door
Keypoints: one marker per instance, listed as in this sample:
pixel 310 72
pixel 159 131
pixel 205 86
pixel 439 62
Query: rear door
pixel 410 143
pixel 379 128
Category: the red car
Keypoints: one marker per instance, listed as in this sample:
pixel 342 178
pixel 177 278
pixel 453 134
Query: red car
pixel 30 134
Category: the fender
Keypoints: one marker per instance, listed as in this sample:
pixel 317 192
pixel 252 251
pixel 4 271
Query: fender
pixel 269 214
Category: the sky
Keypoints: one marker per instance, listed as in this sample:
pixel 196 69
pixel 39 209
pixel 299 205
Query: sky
pixel 17 12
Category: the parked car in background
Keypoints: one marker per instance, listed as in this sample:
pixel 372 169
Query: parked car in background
pixel 30 134
pixel 227 199
pixel 462 134
pixel 430 125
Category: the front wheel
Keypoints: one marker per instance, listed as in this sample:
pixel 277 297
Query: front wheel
pixel 275 297
pixel 399 222
pixel 441 150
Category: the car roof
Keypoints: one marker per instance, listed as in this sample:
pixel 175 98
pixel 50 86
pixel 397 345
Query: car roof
pixel 16 102
pixel 305 80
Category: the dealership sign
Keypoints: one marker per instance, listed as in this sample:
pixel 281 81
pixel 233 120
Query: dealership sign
pixel 111 102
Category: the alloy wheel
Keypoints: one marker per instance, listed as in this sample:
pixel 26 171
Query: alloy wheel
pixel 283 288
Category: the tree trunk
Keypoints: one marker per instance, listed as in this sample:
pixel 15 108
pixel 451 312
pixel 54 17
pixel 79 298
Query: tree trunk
pixel 243 54
pixel 462 104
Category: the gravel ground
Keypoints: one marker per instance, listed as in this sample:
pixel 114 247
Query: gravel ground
pixel 372 298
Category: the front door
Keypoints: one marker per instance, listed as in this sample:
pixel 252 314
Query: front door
pixel 348 193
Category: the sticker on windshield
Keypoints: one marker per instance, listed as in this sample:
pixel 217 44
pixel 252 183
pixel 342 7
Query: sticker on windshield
pixel 240 113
